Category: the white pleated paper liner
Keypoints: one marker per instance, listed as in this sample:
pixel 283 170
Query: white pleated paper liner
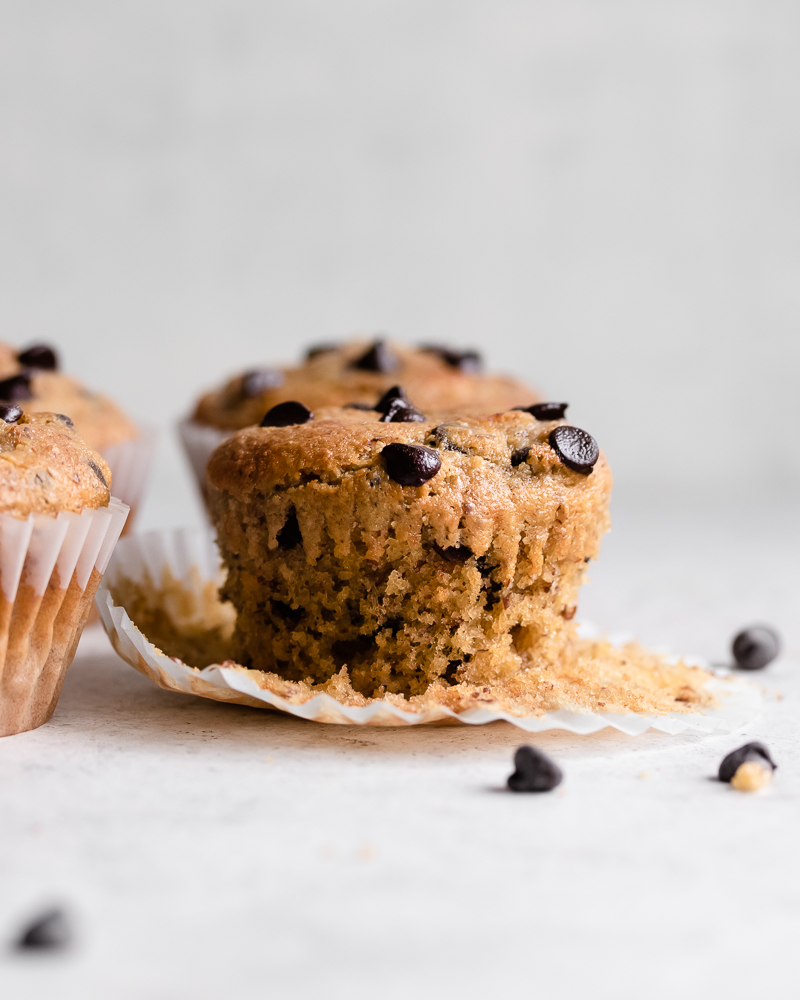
pixel 191 555
pixel 130 463
pixel 50 567
pixel 199 441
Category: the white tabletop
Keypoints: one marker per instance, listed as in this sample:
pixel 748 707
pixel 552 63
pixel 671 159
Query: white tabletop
pixel 206 850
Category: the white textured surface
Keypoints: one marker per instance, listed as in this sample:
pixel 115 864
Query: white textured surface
pixel 213 851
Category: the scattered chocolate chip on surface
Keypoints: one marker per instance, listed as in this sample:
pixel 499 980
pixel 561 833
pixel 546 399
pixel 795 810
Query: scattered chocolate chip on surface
pixel 49 932
pixel 468 362
pixel 10 412
pixel 535 771
pixel 401 411
pixel 748 768
pixel 39 356
pixel 519 456
pixel 753 648
pixel 377 359
pixel 411 464
pixel 575 448
pixel 258 381
pixel 16 389
pixel 287 414
pixel 545 411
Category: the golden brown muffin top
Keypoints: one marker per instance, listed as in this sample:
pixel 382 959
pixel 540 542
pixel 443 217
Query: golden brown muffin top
pixel 436 378
pixel 30 377
pixel 45 468
pixel 473 475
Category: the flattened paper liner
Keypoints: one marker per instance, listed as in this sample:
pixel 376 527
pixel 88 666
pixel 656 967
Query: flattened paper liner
pixel 50 567
pixel 191 555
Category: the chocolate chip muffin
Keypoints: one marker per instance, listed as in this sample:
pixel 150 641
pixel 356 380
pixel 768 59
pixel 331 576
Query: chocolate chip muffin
pixel 31 378
pixel 404 547
pixel 58 525
pixel 436 378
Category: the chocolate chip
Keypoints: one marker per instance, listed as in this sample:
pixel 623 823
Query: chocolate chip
pixel 357 406
pixel 520 456
pixel 318 349
pixel 98 472
pixel 755 752
pixel 400 411
pixel 755 647
pixel 454 553
pixel 67 421
pixel 10 412
pixel 576 449
pixel 50 932
pixel 468 362
pixel 545 411
pixel 411 464
pixel 386 400
pixel 287 415
pixel 39 356
pixel 377 359
pixel 258 381
pixel 290 536
pixel 17 388
pixel 535 772
pixel 442 440
pixel 452 670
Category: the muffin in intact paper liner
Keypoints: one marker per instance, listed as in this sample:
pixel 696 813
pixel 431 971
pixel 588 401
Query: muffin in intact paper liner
pixel 159 598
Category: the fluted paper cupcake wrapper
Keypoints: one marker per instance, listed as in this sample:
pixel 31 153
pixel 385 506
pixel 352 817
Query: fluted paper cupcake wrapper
pixel 130 463
pixel 199 441
pixel 190 556
pixel 50 568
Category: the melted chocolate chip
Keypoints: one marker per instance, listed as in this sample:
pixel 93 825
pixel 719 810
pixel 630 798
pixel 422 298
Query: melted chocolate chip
pixel 454 553
pixel 38 356
pixel 290 536
pixel 357 406
pixel 386 400
pixel 755 647
pixel 67 421
pixel 50 932
pixel 400 411
pixel 411 464
pixel 258 381
pixel 17 388
pixel 576 449
pixel 545 411
pixel 755 752
pixel 10 412
pixel 535 771
pixel 377 359
pixel 98 472
pixel 452 670
pixel 318 349
pixel 287 415
pixel 468 362
pixel 520 456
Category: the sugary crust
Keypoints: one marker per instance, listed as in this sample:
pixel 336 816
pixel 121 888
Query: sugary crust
pixel 475 572
pixel 46 468
pixel 329 379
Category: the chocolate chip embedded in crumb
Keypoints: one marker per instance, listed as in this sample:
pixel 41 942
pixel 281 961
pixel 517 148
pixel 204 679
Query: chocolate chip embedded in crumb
pixel 520 456
pixel 357 406
pixel 10 412
pixel 49 932
pixel 377 359
pixel 64 419
pixel 545 411
pixel 16 389
pixel 259 381
pixel 535 771
pixel 454 553
pixel 98 472
pixel 38 356
pixel 748 768
pixel 755 647
pixel 287 415
pixel 411 464
pixel 318 349
pixel 575 448
pixel 290 536
pixel 400 411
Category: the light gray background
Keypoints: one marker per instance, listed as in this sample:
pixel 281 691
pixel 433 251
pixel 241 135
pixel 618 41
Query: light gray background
pixel 602 195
